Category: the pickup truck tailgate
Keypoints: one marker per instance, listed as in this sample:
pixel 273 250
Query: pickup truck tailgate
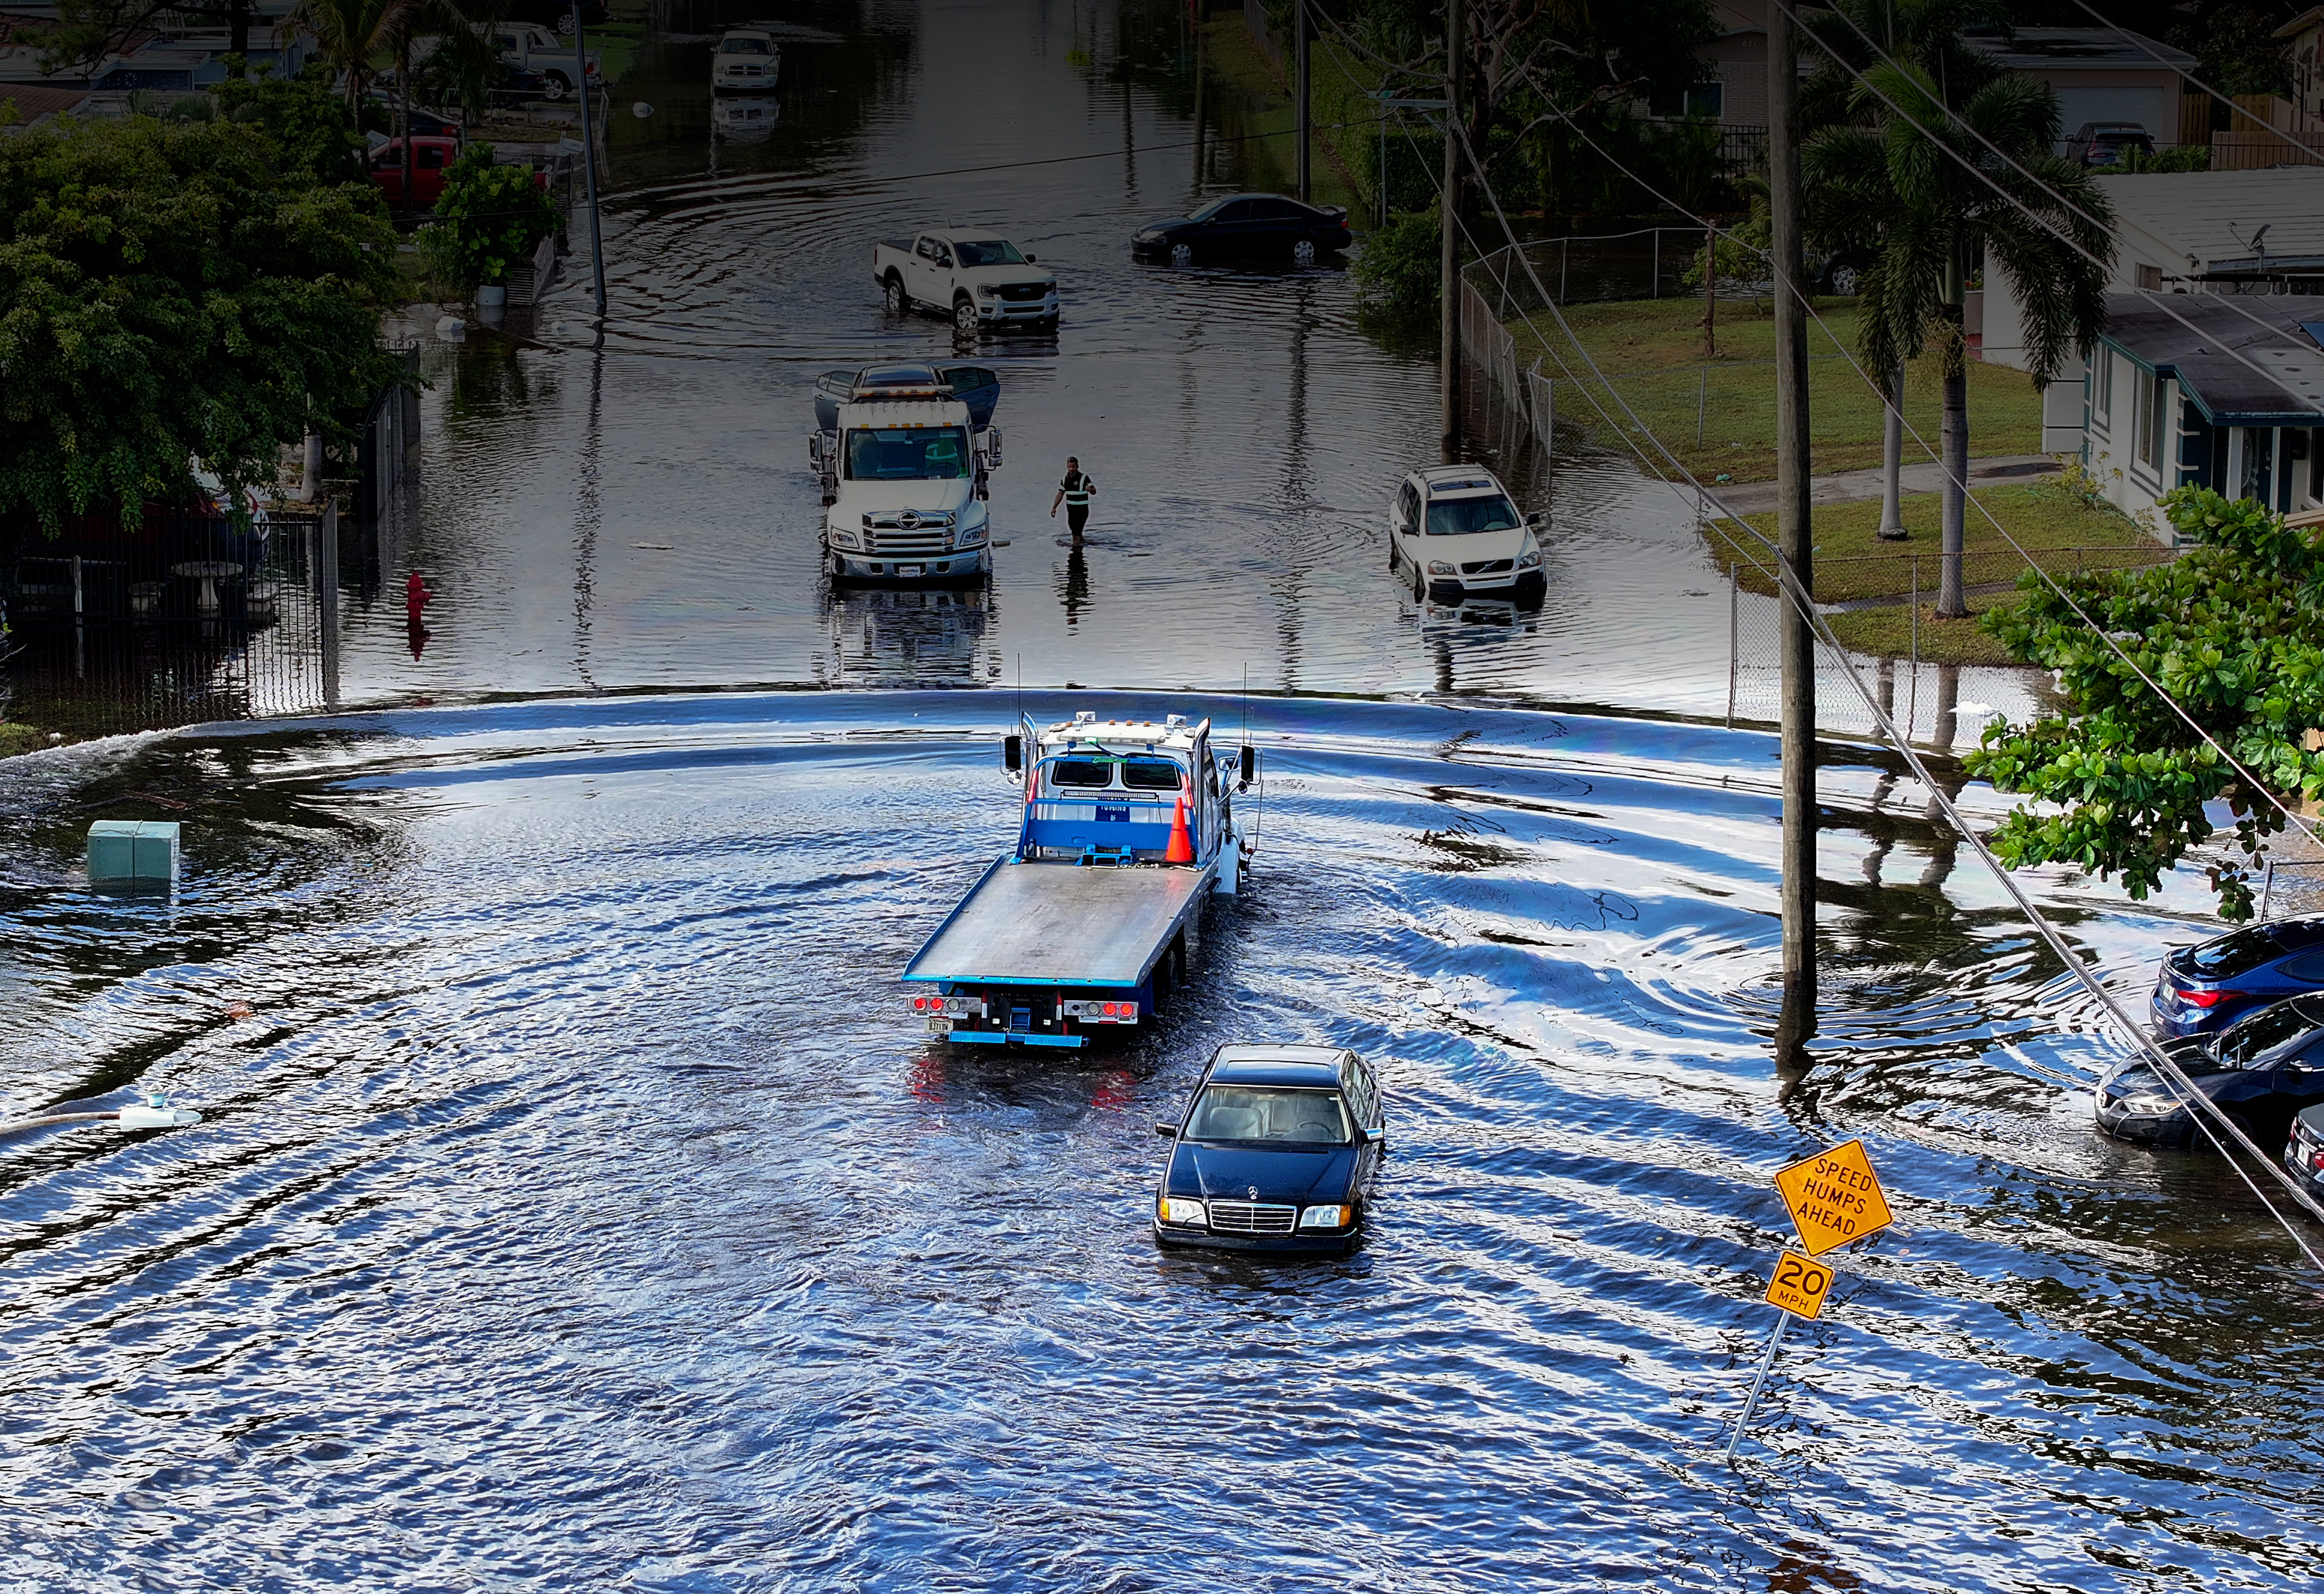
pixel 1057 924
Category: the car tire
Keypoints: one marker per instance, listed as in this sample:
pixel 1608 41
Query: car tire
pixel 899 303
pixel 964 317
pixel 1182 254
pixel 1303 252
pixel 1419 583
pixel 554 88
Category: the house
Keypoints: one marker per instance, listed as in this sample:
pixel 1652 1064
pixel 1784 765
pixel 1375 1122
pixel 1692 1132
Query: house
pixel 24 106
pixel 2222 389
pixel 2100 75
pixel 180 60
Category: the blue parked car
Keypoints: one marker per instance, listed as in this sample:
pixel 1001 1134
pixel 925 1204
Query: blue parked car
pixel 2262 1071
pixel 1277 1152
pixel 2204 988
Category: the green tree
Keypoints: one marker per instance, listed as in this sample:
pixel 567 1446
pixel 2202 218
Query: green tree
pixel 489 221
pixel 1921 202
pixel 355 38
pixel 168 293
pixel 86 31
pixel 2230 630
pixel 312 131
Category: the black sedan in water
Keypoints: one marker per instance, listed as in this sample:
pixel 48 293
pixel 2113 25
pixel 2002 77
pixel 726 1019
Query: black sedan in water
pixel 1247 227
pixel 2262 1071
pixel 1276 1152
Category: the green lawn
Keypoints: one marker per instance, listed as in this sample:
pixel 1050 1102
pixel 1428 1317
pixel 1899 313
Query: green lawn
pixel 15 739
pixel 1651 350
pixel 1887 633
pixel 2063 532
pixel 1258 113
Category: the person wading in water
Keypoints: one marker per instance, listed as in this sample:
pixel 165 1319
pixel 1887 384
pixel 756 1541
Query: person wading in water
pixel 1073 492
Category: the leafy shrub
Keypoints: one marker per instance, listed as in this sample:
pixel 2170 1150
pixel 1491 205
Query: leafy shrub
pixel 2169 158
pixel 1397 269
pixel 489 221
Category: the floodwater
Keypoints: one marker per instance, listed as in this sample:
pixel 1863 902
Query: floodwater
pixel 579 1208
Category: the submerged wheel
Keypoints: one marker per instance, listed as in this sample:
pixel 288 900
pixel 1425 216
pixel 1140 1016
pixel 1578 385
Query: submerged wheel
pixel 963 318
pixel 1182 254
pixel 899 302
pixel 1303 252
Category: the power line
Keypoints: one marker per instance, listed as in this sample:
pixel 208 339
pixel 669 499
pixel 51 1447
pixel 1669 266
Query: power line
pixel 1804 602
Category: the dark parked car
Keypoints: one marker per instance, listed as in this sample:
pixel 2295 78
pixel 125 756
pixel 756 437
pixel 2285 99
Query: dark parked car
pixel 2204 988
pixel 1277 1152
pixel 2102 144
pixel 1248 227
pixel 2261 1071
pixel 2303 1153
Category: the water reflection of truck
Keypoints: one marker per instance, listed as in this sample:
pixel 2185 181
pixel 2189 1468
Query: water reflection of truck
pixel 914 634
pixel 905 454
pixel 1086 927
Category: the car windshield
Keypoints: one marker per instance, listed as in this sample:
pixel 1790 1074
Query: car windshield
pixel 907 453
pixel 741 47
pixel 988 252
pixel 1458 517
pixel 2246 1043
pixel 2236 954
pixel 1281 1115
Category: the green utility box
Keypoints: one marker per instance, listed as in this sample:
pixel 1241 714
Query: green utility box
pixel 133 852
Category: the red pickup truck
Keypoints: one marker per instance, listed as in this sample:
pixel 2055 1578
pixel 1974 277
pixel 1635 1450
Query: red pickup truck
pixel 432 154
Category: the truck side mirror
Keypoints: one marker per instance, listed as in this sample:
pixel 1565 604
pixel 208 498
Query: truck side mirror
pixel 1247 767
pixel 1012 754
pixel 993 445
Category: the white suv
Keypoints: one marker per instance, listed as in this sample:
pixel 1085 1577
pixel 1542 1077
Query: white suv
pixel 1463 535
pixel 748 59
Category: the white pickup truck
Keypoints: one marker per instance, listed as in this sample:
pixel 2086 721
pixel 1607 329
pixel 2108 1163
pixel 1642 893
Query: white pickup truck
pixel 975 277
pixel 530 48
pixel 904 453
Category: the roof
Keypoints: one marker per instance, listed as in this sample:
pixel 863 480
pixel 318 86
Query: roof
pixel 2214 349
pixel 2209 218
pixel 2083 49
pixel 1448 480
pixel 1278 1064
pixel 1171 730
pixel 36 100
pixel 2300 24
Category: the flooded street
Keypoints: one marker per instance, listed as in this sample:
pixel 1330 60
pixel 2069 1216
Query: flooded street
pixel 579 1206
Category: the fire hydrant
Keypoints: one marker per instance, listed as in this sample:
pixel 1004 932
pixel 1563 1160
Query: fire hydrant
pixel 416 593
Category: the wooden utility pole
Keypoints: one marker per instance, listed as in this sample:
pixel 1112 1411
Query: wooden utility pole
pixel 1791 518
pixel 1299 42
pixel 589 159
pixel 1448 374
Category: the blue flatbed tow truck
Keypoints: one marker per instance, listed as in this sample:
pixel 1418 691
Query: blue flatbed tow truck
pixel 1084 928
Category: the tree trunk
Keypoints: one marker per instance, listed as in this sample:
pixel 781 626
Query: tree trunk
pixel 237 37
pixel 1952 602
pixel 1710 294
pixel 1892 459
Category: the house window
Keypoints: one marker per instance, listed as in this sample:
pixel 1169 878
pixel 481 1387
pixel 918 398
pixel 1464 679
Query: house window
pixel 2147 421
pixel 2102 389
pixel 1701 100
pixel 2150 279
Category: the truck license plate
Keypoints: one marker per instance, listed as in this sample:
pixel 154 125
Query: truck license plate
pixel 939 1027
pixel 908 570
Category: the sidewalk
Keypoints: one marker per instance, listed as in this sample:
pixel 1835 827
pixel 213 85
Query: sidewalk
pixel 1751 498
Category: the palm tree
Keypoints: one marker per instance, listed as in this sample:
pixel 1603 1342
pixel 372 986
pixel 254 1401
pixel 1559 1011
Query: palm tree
pixel 352 36
pixel 1924 204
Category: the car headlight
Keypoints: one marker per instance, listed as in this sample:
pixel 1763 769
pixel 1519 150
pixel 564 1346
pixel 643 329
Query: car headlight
pixel 845 540
pixel 1180 1211
pixel 1530 559
pixel 987 291
pixel 1439 567
pixel 1338 1217
pixel 2148 1103
pixel 1150 235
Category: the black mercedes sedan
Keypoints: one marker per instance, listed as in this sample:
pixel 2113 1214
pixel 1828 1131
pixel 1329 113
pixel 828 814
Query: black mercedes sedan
pixel 1276 1152
pixel 2262 1071
pixel 1247 227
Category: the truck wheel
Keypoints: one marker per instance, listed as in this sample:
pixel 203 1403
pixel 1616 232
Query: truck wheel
pixel 964 317
pixel 1303 252
pixel 555 87
pixel 1182 254
pixel 899 303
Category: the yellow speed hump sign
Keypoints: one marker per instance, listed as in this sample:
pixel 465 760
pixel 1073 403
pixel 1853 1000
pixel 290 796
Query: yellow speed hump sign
pixel 1800 1285
pixel 1834 1198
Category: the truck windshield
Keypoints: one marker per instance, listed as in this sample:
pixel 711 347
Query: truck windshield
pixel 1460 516
pixel 988 252
pixel 1152 775
pixel 1283 1115
pixel 907 453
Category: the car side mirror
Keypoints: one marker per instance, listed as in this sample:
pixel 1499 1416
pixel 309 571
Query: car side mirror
pixel 1538 519
pixel 1012 754
pixel 1032 259
pixel 1248 767
pixel 1166 1129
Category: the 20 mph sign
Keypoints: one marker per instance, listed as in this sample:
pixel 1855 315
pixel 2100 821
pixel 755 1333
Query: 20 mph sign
pixel 1834 1198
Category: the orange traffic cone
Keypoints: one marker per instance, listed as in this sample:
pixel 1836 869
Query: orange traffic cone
pixel 1182 841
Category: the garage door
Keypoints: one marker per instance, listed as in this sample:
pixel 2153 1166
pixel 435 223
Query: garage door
pixel 2142 105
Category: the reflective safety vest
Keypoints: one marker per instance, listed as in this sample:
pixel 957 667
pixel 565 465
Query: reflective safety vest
pixel 1077 488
